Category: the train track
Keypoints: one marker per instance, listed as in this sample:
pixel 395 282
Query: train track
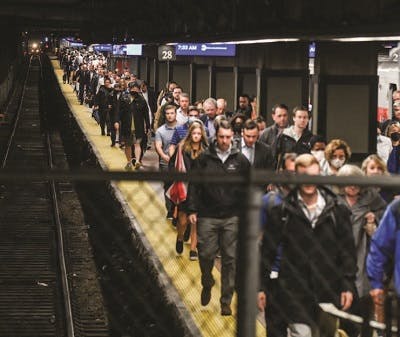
pixel 34 291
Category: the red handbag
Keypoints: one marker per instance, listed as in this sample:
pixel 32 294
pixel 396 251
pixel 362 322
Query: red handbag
pixel 177 192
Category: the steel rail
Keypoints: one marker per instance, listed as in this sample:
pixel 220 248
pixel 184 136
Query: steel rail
pixel 10 140
pixel 61 249
pixel 56 212
pixel 60 235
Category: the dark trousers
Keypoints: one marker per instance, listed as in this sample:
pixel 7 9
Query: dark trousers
pixel 276 325
pixel 215 234
pixel 168 203
pixel 81 93
pixel 104 121
pixel 113 132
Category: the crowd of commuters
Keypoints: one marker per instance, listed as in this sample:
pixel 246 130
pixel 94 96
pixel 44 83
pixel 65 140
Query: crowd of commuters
pixel 123 105
pixel 318 243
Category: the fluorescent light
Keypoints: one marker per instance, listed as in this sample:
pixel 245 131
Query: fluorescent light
pixel 246 41
pixel 367 38
pixel 263 41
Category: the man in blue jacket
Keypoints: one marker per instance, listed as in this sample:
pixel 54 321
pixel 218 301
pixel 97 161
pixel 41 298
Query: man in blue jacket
pixel 383 249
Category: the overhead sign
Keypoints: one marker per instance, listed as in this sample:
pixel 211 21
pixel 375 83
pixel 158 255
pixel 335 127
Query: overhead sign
pixel 102 47
pixel 205 49
pixel 134 49
pixel 127 50
pixel 166 53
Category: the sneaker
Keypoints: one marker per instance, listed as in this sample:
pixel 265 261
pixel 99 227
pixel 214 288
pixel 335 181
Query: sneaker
pixel 129 166
pixel 205 296
pixel 226 309
pixel 179 246
pixel 186 235
pixel 138 165
pixel 193 255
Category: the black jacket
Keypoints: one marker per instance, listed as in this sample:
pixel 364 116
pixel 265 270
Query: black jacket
pixel 103 98
pixel 83 77
pixel 287 144
pixel 316 264
pixel 217 200
pixel 93 82
pixel 115 106
pixel 135 106
pixel 263 158
pixel 269 136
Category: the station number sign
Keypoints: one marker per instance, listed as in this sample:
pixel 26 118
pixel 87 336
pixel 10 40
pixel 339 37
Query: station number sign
pixel 166 53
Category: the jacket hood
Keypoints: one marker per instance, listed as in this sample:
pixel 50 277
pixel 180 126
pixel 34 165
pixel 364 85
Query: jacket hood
pixel 288 131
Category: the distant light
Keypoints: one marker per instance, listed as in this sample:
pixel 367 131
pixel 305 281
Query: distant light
pixel 34 45
pixel 248 41
pixel 367 38
pixel 46 39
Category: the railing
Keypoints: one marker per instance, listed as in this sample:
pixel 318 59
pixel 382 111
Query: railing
pixel 249 234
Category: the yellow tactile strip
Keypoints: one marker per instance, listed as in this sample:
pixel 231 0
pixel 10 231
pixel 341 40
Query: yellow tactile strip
pixel 149 212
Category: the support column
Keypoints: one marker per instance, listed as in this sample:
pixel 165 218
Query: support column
pixel 284 78
pixel 347 94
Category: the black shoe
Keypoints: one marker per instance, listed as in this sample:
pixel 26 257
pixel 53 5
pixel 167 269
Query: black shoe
pixel 179 246
pixel 170 216
pixel 103 133
pixel 112 144
pixel 186 235
pixel 226 309
pixel 205 296
pixel 193 255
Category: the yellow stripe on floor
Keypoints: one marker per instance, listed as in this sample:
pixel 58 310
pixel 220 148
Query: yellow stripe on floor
pixel 150 213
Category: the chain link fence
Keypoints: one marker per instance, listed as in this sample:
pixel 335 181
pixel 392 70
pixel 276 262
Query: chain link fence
pixel 320 275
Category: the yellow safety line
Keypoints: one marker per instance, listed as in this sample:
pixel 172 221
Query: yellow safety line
pixel 150 212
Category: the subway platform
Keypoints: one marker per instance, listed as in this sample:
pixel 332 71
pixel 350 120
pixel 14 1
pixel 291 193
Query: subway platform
pixel 145 205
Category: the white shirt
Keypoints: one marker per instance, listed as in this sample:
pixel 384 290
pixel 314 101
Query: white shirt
pixel 312 212
pixel 181 118
pixel 210 127
pixel 223 155
pixel 248 152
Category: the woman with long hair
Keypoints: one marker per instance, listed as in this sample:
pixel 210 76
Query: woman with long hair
pixel 190 148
